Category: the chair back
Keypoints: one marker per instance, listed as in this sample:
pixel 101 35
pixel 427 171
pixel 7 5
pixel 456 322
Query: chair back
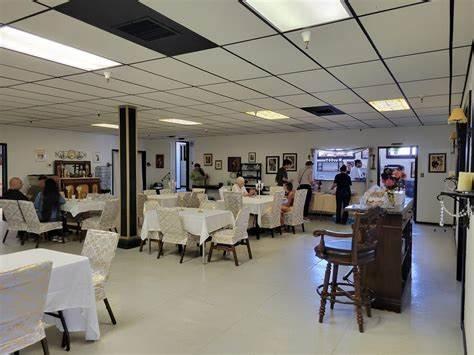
pixel 141 198
pixel 13 216
pixel 198 190
pixel 275 212
pixel 151 205
pixel 109 216
pixel 221 192
pixel 184 199
pixel 29 214
pixel 171 226
pixel 202 198
pixel 298 207
pixel 149 192
pixel 274 189
pixel 166 191
pixel 99 247
pixel 241 224
pixel 23 293
pixel 195 200
pixel 233 202
pixel 365 230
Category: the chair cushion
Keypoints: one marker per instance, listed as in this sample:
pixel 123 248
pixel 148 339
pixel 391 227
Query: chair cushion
pixel 224 236
pixel 91 223
pixel 49 226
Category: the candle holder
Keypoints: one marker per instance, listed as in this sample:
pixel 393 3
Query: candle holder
pixel 259 186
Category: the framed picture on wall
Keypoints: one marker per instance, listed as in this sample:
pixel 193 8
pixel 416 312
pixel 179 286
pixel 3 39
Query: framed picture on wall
pixel 252 157
pixel 207 159
pixel 40 155
pixel 437 162
pixel 233 164
pixel 97 157
pixel 160 161
pixel 218 164
pixel 293 157
pixel 272 164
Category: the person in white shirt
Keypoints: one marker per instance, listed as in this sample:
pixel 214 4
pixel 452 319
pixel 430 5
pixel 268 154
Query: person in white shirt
pixel 356 172
pixel 239 186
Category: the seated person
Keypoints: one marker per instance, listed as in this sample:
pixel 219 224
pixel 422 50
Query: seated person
pixel 239 186
pixel 13 193
pixel 290 199
pixel 48 202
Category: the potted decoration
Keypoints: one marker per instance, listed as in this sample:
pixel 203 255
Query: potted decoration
pixel 393 180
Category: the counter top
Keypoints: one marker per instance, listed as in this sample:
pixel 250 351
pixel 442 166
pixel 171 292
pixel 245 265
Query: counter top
pixel 396 210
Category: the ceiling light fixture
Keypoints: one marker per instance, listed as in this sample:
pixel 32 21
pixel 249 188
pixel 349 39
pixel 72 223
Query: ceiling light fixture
pixel 306 35
pixel 266 114
pixel 106 125
pixel 457 116
pixel 24 42
pixel 178 121
pixel 390 105
pixel 289 15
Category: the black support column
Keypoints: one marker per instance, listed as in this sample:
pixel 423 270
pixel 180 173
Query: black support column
pixel 128 177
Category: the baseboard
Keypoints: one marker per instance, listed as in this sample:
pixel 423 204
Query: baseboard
pixel 129 242
pixel 434 224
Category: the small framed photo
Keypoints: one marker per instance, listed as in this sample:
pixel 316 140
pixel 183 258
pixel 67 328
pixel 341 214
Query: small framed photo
pixel 40 155
pixel 437 162
pixel 159 161
pixel 218 164
pixel 293 157
pixel 207 159
pixel 252 157
pixel 272 164
pixel 233 164
pixel 97 157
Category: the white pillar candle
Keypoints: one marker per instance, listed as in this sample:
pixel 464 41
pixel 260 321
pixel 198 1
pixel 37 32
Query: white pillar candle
pixel 465 181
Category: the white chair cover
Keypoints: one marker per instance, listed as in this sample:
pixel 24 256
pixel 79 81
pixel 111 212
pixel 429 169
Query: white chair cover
pixel 274 189
pixel 233 202
pixel 184 199
pixel 198 190
pixel 151 205
pixel 221 192
pixel 295 217
pixel 13 216
pixel 166 191
pixel 172 228
pixel 271 218
pixel 34 225
pixel 141 198
pixel 149 192
pixel 23 293
pixel 237 233
pixel 108 219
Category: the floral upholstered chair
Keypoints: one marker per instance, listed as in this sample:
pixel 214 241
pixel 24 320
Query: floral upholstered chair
pixel 295 217
pixel 34 225
pixel 108 219
pixel 233 202
pixel 271 217
pixel 14 218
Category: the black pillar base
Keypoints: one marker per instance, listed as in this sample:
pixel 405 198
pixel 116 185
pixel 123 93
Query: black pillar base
pixel 129 243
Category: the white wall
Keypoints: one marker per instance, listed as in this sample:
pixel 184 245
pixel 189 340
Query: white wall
pixel 152 148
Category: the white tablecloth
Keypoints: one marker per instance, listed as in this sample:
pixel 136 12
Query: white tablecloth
pixel 166 200
pixel 70 287
pixel 257 205
pixel 75 207
pixel 195 221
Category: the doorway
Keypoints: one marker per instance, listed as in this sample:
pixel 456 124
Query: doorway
pixel 404 158
pixel 182 165
pixel 141 171
pixel 3 169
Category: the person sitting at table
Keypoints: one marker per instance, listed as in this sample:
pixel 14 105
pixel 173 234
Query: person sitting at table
pixel 290 199
pixel 239 186
pixel 282 174
pixel 13 193
pixel 48 202
pixel 342 183
pixel 198 176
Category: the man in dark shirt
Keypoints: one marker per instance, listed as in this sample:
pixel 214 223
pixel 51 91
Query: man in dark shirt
pixel 13 192
pixel 342 183
pixel 282 175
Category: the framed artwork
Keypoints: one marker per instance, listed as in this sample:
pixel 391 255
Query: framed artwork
pixel 207 159
pixel 218 164
pixel 412 170
pixel 233 164
pixel 40 155
pixel 97 157
pixel 160 161
pixel 293 157
pixel 252 157
pixel 272 164
pixel 437 162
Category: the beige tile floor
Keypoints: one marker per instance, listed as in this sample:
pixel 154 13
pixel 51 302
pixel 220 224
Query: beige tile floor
pixel 265 306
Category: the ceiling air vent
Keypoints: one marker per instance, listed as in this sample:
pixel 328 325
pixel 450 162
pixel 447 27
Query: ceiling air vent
pixel 327 110
pixel 147 29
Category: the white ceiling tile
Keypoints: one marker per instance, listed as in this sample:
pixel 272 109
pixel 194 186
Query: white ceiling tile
pixel 173 100
pixel 271 86
pixel 81 35
pixel 295 113
pixel 337 43
pixel 368 115
pixel 433 111
pixel 363 74
pixel 395 115
pixel 379 123
pixel 239 106
pixel 171 68
pixel 53 3
pixel 19 74
pixel 140 102
pixel 432 87
pixel 463 23
pixel 78 87
pixel 435 101
pixel 414 67
pixel 381 92
pixel 55 94
pixel 12 10
pixel 8 82
pixel 212 109
pixel 120 87
pixel 302 100
pixel 362 7
pixel 339 97
pixel 235 91
pixel 435 119
pixel 269 104
pixel 274 54
pixel 360 107
pixel 188 110
pixel 201 95
pixel 407 122
pixel 313 81
pixel 225 64
pixel 28 95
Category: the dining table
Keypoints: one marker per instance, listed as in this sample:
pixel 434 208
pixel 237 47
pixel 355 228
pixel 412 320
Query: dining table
pixel 257 205
pixel 70 288
pixel 75 206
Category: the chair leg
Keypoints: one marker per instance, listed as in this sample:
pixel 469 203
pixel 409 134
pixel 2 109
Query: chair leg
pixel 149 245
pixel 281 232
pixel 358 299
pixel 141 245
pixel 236 261
pixel 160 248
pixel 16 352
pixel 209 256
pixel 5 236
pixel 109 309
pixel 38 240
pixel 248 248
pixel 334 285
pixel 324 293
pixel 66 342
pixel 182 254
pixel 293 229
pixel 302 227
pixel 44 345
pixel 273 233
pixel 366 293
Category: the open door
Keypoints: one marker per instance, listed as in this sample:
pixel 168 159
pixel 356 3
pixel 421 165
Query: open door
pixel 3 169
pixel 182 165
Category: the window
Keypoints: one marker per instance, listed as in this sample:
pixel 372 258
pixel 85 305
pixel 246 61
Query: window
pixel 401 152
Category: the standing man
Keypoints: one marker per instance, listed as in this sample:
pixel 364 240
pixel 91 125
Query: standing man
pixel 282 175
pixel 342 183
pixel 305 181
pixel 356 172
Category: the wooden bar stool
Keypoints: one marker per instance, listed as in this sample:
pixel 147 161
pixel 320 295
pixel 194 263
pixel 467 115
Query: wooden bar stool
pixel 356 250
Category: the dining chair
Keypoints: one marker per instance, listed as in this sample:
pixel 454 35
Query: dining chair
pixel 198 190
pixel 99 247
pixel 166 191
pixel 196 198
pixel 274 189
pixel 184 199
pixel 23 293
pixel 36 227
pixel 13 217
pixel 152 236
pixel 149 192
pixel 222 190
pixel 205 203
pixel 172 229
pixel 271 218
pixel 141 198
pixel 233 202
pixel 108 219
pixel 356 249
pixel 295 216
pixel 228 239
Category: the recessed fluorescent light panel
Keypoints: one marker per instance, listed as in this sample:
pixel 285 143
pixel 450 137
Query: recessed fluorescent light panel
pixel 27 43
pixel 288 15
pixel 268 115
pixel 390 105
pixel 178 121
pixel 106 125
